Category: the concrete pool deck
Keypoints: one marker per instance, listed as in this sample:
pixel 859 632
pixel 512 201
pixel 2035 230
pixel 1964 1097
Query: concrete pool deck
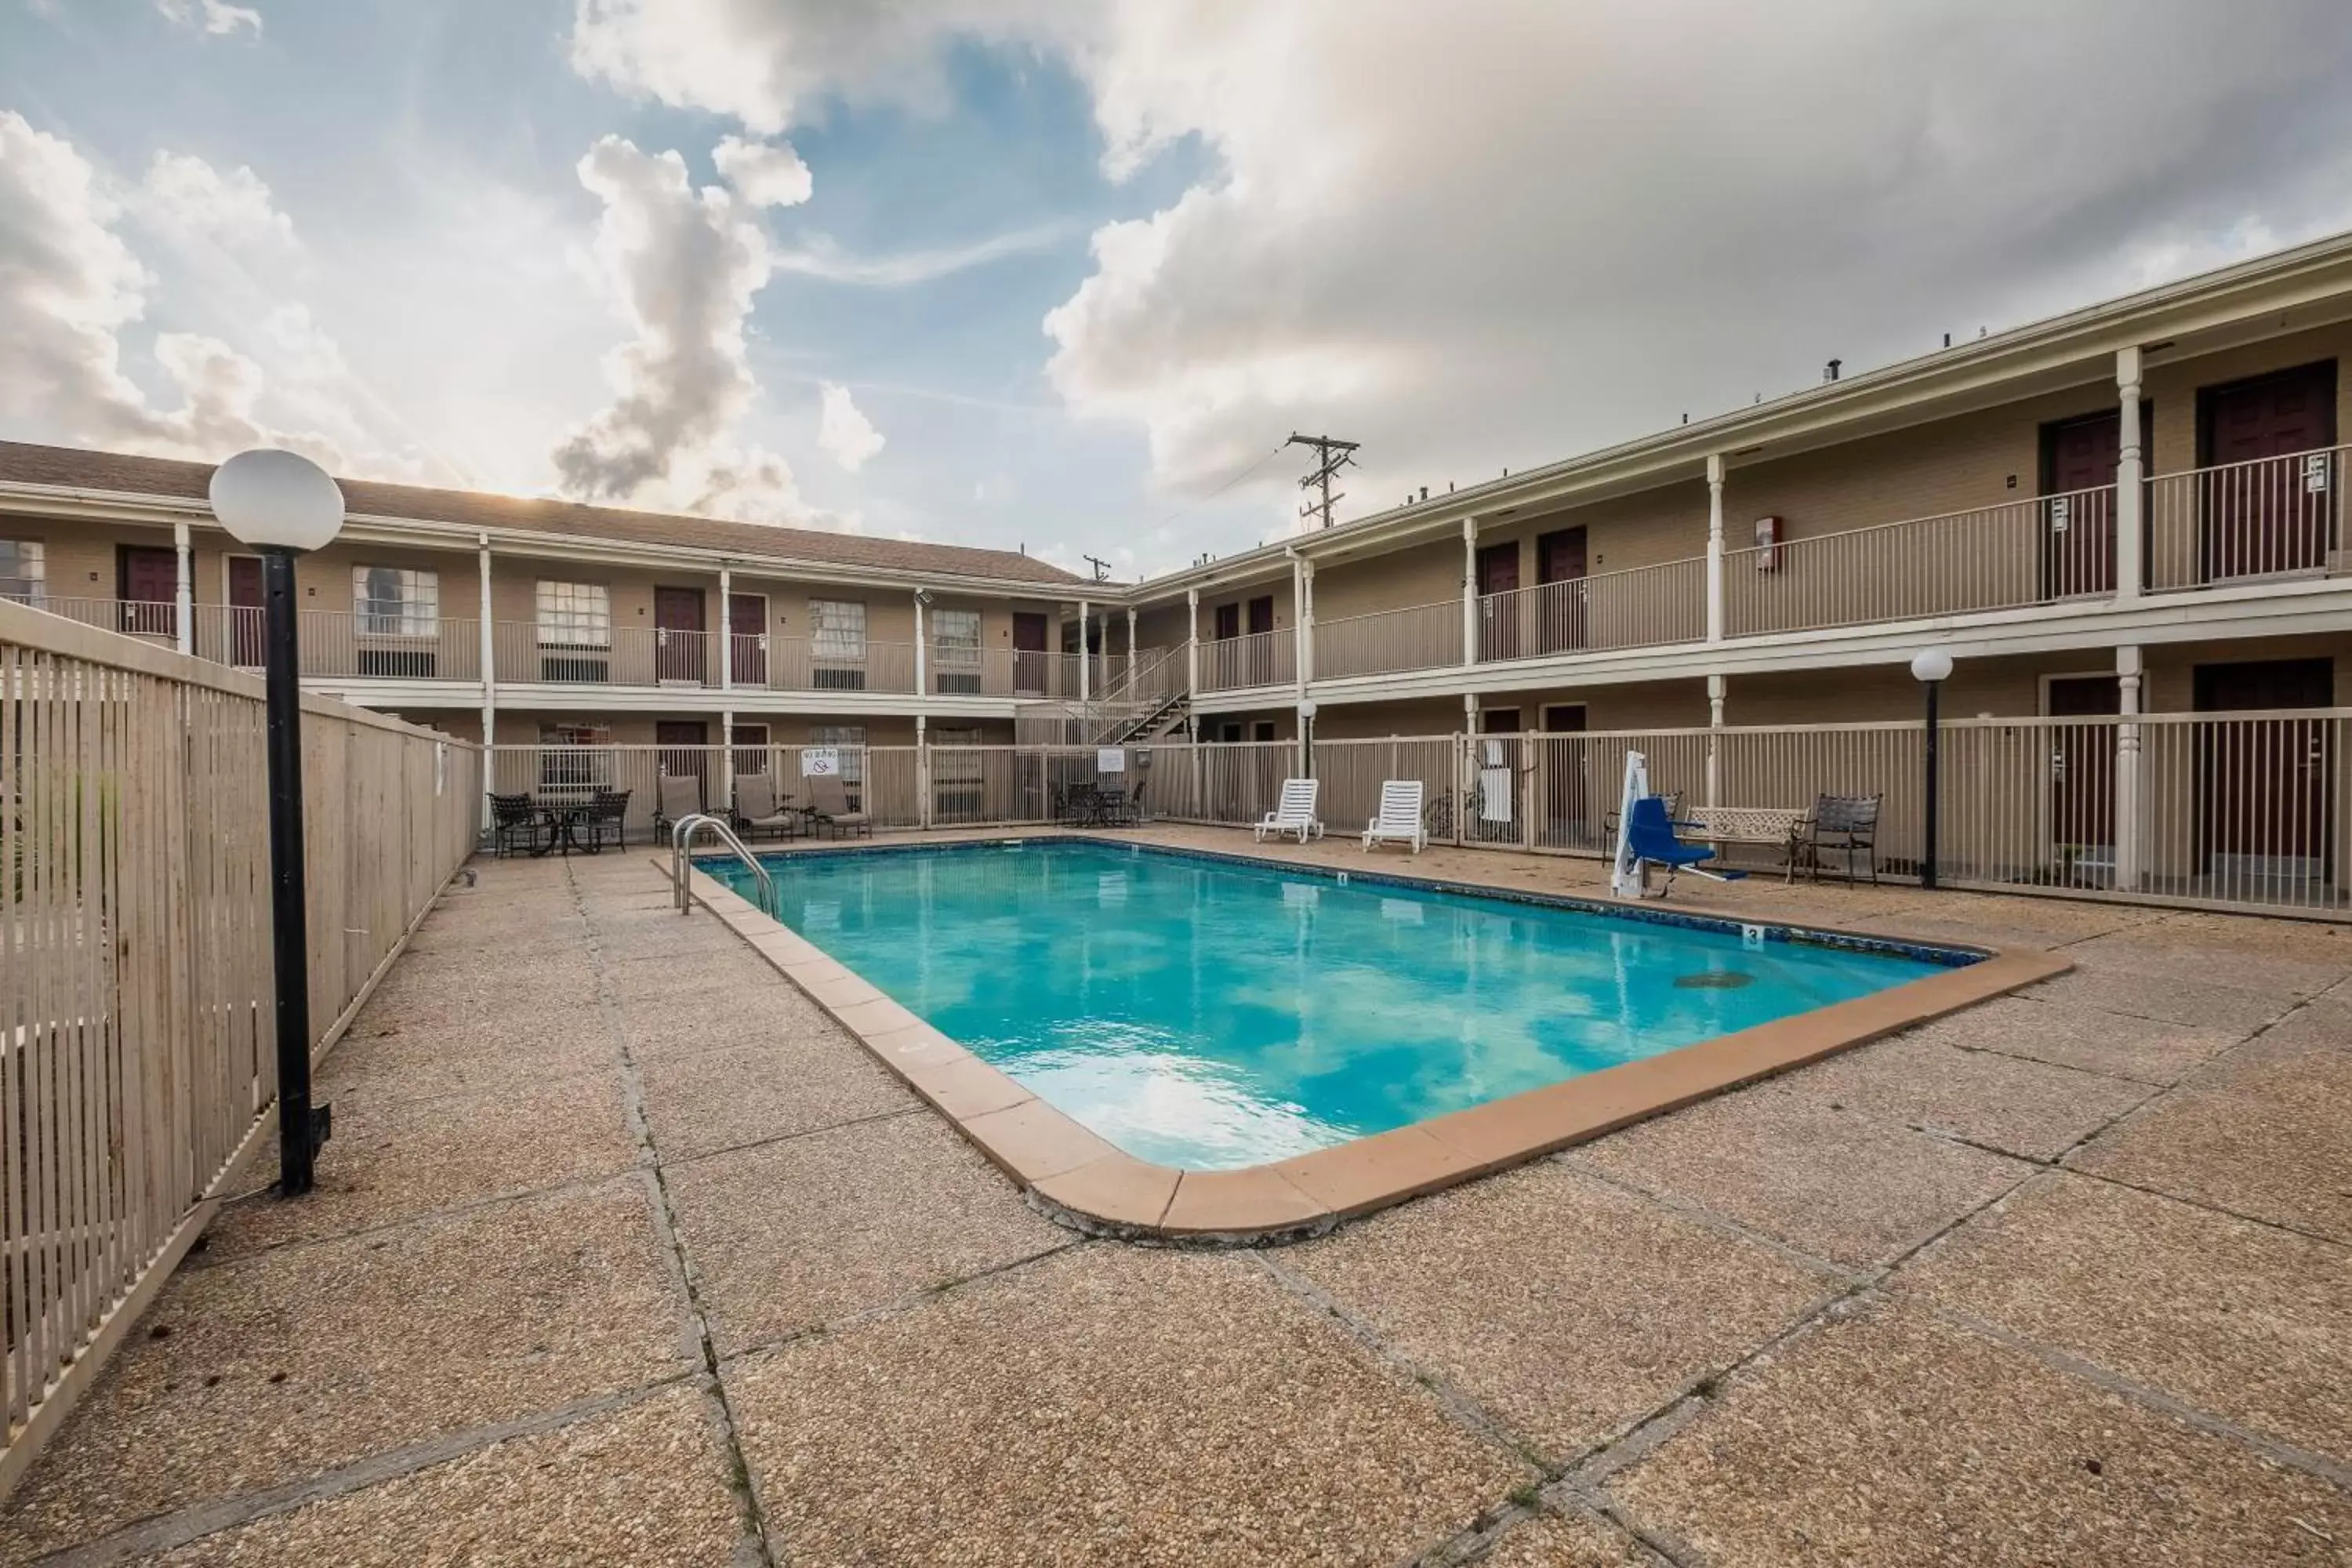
pixel 625 1252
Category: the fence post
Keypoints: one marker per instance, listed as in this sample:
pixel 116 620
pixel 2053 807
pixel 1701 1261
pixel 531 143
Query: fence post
pixel 2127 792
pixel 1461 763
pixel 922 775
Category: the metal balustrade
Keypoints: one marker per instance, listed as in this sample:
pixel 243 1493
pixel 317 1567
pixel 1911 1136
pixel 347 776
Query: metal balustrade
pixel 2270 518
pixel 1423 637
pixel 1254 659
pixel 1643 606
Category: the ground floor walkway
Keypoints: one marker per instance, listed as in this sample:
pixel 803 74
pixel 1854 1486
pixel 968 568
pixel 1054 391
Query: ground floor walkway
pixel 624 1252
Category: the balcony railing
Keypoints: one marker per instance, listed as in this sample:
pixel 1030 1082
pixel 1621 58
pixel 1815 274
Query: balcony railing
pixel 1257 658
pixel 1425 636
pixel 2019 553
pixel 2270 518
pixel 1643 607
pixel 367 646
pixel 149 620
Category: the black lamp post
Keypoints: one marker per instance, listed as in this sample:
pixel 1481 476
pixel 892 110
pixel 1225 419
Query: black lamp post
pixel 281 505
pixel 1930 668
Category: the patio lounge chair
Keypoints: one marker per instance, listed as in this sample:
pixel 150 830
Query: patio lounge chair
pixel 514 824
pixel 677 798
pixel 1296 813
pixel 1399 821
pixel 1847 823
pixel 757 810
pixel 606 817
pixel 829 803
pixel 1650 834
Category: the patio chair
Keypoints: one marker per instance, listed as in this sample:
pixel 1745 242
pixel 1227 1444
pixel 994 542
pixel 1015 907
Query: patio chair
pixel 829 804
pixel 1295 813
pixel 1399 821
pixel 1650 833
pixel 607 818
pixel 1674 799
pixel 1847 823
pixel 757 810
pixel 514 821
pixel 677 798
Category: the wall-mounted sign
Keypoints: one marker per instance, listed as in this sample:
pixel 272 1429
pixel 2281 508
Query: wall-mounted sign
pixel 820 761
pixel 1110 760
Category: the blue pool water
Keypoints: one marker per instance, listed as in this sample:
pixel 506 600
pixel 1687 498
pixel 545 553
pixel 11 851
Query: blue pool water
pixel 1206 1014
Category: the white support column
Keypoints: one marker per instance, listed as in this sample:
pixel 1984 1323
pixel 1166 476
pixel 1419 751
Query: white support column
pixel 922 681
pixel 922 772
pixel 726 800
pixel 489 649
pixel 184 592
pixel 1085 680
pixel 1714 548
pixel 1716 689
pixel 2131 490
pixel 1192 646
pixel 727 633
pixel 1469 593
pixel 1130 642
pixel 1302 601
pixel 2127 814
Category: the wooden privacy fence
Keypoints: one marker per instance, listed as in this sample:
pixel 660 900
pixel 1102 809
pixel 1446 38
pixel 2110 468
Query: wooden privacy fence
pixel 138 1065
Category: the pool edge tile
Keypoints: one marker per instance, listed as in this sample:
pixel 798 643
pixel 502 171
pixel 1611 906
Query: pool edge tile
pixel 1371 1172
pixel 1245 1204
pixel 1118 1192
pixel 1036 1141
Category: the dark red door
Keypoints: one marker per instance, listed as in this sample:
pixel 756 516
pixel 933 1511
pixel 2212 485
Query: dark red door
pixel 1559 608
pixel 2078 513
pixel 1258 656
pixel 245 611
pixel 747 624
pixel 2267 782
pixel 1498 619
pixel 2083 770
pixel 1029 664
pixel 682 743
pixel 1566 798
pixel 1229 622
pixel 147 582
pixel 2262 513
pixel 678 634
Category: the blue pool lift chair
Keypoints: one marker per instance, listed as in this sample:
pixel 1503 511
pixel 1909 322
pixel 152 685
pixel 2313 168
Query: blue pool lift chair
pixel 1650 835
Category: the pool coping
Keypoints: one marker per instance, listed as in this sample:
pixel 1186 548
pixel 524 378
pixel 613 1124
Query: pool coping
pixel 1083 1180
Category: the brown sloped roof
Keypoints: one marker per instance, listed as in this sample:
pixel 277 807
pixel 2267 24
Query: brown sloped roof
pixel 23 463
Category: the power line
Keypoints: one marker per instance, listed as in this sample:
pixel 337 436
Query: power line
pixel 1331 456
pixel 1199 503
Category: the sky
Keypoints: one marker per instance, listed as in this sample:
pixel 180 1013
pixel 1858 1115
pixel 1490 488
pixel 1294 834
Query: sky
pixel 1065 276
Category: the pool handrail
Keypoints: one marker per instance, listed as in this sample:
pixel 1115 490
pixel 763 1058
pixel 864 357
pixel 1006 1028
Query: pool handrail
pixel 681 859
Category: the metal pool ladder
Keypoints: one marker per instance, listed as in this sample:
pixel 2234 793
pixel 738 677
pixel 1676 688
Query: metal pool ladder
pixel 681 859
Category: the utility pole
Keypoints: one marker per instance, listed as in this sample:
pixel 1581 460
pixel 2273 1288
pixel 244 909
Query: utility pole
pixel 1330 457
pixel 1101 566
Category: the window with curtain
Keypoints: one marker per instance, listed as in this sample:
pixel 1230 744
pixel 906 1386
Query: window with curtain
pixel 955 634
pixel 22 569
pixel 575 759
pixel 395 601
pixel 575 614
pixel 837 630
pixel 851 739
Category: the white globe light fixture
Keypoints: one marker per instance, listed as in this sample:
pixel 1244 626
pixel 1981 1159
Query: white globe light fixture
pixel 1930 667
pixel 282 504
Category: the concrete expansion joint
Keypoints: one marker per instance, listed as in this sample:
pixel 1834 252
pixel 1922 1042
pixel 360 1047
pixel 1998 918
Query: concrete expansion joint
pixel 898 1307
pixel 781 1138
pixel 197 1260
pixel 754 1547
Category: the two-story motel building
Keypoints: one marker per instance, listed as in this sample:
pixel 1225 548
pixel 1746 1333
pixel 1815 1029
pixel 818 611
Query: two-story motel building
pixel 2137 506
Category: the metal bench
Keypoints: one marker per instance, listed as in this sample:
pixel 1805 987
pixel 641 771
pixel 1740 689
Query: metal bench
pixel 1774 826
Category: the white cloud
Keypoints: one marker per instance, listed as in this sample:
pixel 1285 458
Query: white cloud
pixel 187 198
pixel 765 174
pixel 820 259
pixel 681 267
pixel 844 433
pixel 216 19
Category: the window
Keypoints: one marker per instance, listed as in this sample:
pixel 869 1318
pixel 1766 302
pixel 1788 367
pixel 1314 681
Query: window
pixel 575 759
pixel 851 739
pixel 575 614
pixel 837 630
pixel 955 639
pixel 21 570
pixel 394 601
pixel 958 776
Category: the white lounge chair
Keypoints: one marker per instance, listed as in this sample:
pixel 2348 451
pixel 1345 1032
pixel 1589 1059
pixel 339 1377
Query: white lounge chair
pixel 1297 812
pixel 1400 818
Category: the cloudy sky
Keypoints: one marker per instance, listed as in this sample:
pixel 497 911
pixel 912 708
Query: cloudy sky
pixel 1065 274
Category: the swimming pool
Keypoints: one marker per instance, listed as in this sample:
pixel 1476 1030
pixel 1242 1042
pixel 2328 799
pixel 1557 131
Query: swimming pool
pixel 1211 1014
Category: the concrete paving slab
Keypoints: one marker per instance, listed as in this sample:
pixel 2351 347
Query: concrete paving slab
pixel 1567 1540
pixel 1835 1185
pixel 1108 1405
pixel 2193 993
pixel 2021 1107
pixel 643 1485
pixel 2243 1321
pixel 2148 1050
pixel 790 1234
pixel 2274 965
pixel 716 1020
pixel 717 970
pixel 393 1057
pixel 748 1091
pixel 395 1158
pixel 1564 1305
pixel 2261 1133
pixel 1896 1440
pixel 300 1361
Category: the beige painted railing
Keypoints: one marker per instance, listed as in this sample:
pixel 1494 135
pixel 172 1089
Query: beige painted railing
pixel 137 1067
pixel 1641 607
pixel 1256 658
pixel 340 643
pixel 1424 636
pixel 2273 517
pixel 2021 553
pixel 150 621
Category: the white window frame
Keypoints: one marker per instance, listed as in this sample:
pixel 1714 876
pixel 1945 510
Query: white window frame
pixel 564 775
pixel 27 587
pixel 955 652
pixel 955 757
pixel 574 614
pixel 851 740
pixel 837 631
pixel 417 613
